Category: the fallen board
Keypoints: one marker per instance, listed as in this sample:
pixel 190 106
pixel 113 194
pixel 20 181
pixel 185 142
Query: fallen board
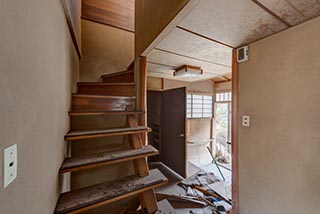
pixel 164 207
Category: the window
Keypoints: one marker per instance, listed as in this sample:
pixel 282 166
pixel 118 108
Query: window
pixel 223 97
pixel 199 106
pixel 223 115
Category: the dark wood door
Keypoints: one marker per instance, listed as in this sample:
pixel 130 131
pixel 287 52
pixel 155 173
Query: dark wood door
pixel 154 121
pixel 173 129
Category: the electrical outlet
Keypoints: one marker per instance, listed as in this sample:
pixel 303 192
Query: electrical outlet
pixel 10 165
pixel 246 120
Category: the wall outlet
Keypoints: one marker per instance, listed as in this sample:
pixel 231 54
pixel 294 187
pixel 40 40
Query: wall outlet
pixel 10 165
pixel 246 120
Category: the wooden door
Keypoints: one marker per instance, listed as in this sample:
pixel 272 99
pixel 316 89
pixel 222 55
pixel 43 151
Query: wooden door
pixel 173 129
pixel 154 121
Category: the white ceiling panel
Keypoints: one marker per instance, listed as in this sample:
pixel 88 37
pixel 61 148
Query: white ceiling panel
pixel 309 8
pixel 233 22
pixel 191 45
pixel 284 9
pixel 176 61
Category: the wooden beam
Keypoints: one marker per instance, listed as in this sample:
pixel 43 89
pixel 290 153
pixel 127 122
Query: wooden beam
pixel 75 41
pixel 143 95
pixel 235 118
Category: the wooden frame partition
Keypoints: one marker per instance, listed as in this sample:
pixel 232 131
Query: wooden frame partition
pixel 234 130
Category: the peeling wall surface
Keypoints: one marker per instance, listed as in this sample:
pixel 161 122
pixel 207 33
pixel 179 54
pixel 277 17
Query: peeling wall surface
pixel 105 50
pixel 38 71
pixel 279 153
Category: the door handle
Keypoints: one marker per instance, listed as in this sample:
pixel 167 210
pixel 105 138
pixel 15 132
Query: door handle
pixel 181 135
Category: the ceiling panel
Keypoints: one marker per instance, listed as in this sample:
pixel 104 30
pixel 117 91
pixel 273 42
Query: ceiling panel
pixel 176 61
pixel 293 11
pixel 193 46
pixel 309 8
pixel 234 23
pixel 284 9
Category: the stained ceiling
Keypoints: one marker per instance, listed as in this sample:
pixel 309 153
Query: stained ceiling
pixel 207 35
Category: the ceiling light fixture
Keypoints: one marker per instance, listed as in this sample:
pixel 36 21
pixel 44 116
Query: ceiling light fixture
pixel 188 71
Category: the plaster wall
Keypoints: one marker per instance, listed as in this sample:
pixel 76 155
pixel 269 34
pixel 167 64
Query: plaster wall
pixel 279 153
pixel 38 70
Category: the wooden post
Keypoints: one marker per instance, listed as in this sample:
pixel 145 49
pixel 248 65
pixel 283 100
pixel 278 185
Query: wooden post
pixel 143 95
pixel 235 116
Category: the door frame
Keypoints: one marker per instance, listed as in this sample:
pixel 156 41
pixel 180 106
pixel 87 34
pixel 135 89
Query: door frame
pixel 234 133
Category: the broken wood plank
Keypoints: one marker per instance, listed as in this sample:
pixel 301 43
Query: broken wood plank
pixel 101 194
pixel 181 201
pixel 101 159
pixel 78 135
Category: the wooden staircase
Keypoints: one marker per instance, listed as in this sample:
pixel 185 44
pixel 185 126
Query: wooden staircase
pixel 114 96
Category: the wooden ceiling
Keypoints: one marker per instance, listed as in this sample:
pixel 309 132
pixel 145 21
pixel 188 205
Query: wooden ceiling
pixel 116 13
pixel 207 35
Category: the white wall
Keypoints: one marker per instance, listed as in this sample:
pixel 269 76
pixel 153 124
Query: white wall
pixel 38 70
pixel 279 153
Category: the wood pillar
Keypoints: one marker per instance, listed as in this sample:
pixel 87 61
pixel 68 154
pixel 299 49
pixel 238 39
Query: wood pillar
pixel 235 118
pixel 143 96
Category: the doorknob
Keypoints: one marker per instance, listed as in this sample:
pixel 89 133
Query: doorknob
pixel 181 135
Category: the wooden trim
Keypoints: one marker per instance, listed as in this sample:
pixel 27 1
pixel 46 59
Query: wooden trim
pixel 71 29
pixel 205 37
pixel 190 57
pixel 271 12
pixel 143 95
pixel 103 23
pixel 235 118
pixel 162 83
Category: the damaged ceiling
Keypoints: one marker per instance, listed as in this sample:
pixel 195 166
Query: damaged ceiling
pixel 205 38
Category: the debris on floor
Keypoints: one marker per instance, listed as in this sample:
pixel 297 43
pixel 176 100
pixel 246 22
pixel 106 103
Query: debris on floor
pixel 200 179
pixel 164 207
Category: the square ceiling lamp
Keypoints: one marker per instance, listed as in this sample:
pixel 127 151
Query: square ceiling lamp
pixel 188 71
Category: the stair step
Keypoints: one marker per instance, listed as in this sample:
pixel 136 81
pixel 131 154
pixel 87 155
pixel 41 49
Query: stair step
pixel 87 102
pixel 113 89
pixel 101 194
pixel 96 160
pixel 78 135
pixel 88 113
pixel 124 76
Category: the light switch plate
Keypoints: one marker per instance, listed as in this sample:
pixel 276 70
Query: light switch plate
pixel 10 165
pixel 246 120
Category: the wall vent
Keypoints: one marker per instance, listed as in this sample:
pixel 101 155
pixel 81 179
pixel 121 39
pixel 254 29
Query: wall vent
pixel 243 54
